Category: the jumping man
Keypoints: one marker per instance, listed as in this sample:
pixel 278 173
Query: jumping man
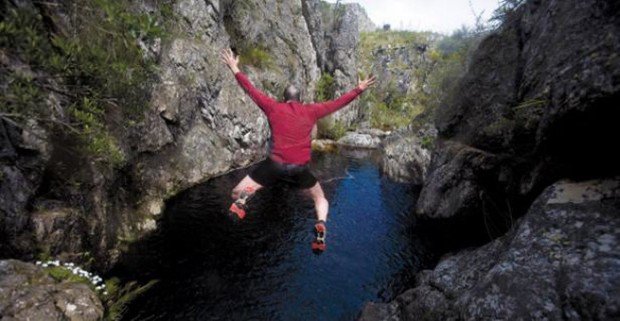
pixel 291 124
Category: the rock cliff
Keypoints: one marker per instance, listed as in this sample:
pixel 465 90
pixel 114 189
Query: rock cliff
pixel 198 123
pixel 560 262
pixel 335 33
pixel 536 106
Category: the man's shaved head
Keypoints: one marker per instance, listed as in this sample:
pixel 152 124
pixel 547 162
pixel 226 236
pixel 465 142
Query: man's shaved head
pixel 291 93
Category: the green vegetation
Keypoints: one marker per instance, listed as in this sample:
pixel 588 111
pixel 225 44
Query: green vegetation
pixel 328 129
pixel 257 57
pixel 505 11
pixel 326 87
pixel 119 297
pixel 60 273
pixel 370 41
pixel 390 107
pixel 96 68
pixel 450 62
pixel 427 142
pixel 437 74
pixel 441 62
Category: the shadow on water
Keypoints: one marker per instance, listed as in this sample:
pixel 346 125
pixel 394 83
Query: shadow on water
pixel 262 268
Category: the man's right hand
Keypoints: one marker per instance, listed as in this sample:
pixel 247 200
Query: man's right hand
pixel 366 83
pixel 229 58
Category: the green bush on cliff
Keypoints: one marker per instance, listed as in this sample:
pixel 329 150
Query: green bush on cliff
pixel 449 63
pixel 120 296
pixel 257 57
pixel 97 67
pixel 325 88
pixel 328 129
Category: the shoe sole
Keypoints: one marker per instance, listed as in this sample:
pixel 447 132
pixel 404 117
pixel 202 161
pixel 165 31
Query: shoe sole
pixel 318 245
pixel 236 211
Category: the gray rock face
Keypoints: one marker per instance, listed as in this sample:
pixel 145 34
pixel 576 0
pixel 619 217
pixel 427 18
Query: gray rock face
pixel 335 33
pixel 406 154
pixel 364 24
pixel 536 105
pixel 59 230
pixel 199 124
pixel 29 293
pixel 280 29
pixel 22 164
pixel 560 262
pixel 403 69
pixel 352 139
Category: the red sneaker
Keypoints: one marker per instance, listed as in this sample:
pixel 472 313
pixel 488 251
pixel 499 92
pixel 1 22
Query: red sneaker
pixel 238 207
pixel 318 245
pixel 237 210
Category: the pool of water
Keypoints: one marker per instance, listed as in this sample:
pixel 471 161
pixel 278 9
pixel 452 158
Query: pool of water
pixel 210 268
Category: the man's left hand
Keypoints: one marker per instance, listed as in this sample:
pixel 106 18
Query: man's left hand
pixel 366 83
pixel 229 58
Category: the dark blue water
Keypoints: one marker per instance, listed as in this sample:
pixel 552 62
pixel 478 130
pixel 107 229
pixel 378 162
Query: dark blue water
pixel 263 268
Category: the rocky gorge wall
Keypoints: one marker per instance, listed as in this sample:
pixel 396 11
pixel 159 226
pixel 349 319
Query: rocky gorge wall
pixel 198 124
pixel 335 34
pixel 524 146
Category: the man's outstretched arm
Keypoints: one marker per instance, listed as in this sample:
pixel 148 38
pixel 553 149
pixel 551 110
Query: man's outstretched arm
pixel 262 100
pixel 323 109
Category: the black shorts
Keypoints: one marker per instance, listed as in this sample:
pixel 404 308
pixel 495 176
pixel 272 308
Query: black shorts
pixel 270 172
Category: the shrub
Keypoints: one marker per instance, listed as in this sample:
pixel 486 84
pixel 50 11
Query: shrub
pixel 328 129
pixel 121 296
pixel 257 57
pixel 427 142
pixel 386 118
pixel 97 65
pixel 326 88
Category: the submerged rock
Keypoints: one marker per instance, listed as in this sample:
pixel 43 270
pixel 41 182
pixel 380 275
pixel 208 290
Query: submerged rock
pixel 560 262
pixel 27 292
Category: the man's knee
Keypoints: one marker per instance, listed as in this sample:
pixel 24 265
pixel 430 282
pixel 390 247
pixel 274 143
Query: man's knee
pixel 243 192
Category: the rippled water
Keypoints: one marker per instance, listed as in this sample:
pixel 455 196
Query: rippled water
pixel 263 268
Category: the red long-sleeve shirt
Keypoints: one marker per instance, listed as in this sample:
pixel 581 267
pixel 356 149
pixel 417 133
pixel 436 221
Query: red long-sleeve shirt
pixel 292 122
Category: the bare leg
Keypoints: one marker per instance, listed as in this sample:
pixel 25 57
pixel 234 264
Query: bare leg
pixel 241 193
pixel 320 202
pixel 322 207
pixel 247 185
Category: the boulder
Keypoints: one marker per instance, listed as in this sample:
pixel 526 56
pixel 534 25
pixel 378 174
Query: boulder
pixel 324 145
pixel 405 160
pixel 352 139
pixel 406 154
pixel 561 261
pixel 27 292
